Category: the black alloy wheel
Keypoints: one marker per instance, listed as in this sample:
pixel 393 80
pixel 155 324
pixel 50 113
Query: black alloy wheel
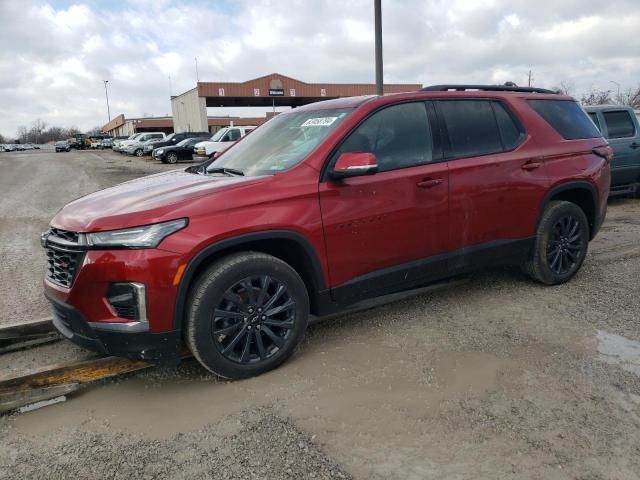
pixel 565 245
pixel 254 319
pixel 246 313
pixel 560 244
pixel 139 152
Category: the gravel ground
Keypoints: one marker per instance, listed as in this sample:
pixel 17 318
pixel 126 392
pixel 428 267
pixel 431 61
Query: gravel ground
pixel 496 377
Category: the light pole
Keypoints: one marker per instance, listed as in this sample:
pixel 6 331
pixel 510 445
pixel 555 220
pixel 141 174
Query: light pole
pixel 377 13
pixel 106 93
pixel 618 96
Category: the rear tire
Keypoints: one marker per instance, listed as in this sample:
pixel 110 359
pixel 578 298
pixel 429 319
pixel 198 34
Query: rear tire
pixel 561 244
pixel 246 314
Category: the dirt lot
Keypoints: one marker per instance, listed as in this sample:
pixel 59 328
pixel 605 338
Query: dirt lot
pixel 494 377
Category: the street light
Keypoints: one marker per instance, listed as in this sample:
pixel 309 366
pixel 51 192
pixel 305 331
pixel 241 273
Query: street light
pixel 618 97
pixel 106 93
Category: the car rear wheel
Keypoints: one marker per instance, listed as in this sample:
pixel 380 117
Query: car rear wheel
pixel 561 244
pixel 246 314
pixel 172 157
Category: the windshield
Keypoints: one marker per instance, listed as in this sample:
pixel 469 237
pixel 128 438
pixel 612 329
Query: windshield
pixel 168 137
pixel 218 135
pixel 281 143
pixel 134 136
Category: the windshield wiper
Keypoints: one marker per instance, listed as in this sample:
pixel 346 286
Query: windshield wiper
pixel 228 171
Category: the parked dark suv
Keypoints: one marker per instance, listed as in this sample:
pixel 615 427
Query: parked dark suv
pixel 323 206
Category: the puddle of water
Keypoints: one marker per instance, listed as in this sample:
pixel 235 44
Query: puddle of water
pixel 621 351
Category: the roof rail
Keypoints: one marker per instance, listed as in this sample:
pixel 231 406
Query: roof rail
pixel 497 88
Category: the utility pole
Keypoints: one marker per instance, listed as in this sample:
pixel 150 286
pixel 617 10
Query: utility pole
pixel 197 74
pixel 377 9
pixel 106 93
pixel 530 78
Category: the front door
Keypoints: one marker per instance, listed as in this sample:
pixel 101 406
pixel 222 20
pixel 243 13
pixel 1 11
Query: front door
pixel 380 228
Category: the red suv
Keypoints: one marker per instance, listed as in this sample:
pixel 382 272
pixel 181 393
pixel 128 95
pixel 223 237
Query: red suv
pixel 323 206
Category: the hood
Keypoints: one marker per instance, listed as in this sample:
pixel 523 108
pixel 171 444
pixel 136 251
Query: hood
pixel 142 201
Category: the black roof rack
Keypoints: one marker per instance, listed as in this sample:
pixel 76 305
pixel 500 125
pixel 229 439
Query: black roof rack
pixel 497 88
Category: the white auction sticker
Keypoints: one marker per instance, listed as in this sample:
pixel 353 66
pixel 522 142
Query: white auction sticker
pixel 319 122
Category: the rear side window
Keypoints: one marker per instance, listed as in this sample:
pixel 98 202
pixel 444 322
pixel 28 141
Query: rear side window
pixel 566 117
pixel 619 124
pixel 471 126
pixel 594 117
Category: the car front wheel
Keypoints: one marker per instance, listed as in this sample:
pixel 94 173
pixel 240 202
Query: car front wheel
pixel 172 157
pixel 560 245
pixel 246 314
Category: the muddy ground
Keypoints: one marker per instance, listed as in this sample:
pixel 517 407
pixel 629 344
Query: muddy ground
pixel 494 377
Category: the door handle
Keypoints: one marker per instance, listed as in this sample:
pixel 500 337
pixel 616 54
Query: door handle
pixel 531 165
pixel 634 145
pixel 429 182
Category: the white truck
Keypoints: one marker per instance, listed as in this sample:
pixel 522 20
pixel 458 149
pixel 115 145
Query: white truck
pixel 220 141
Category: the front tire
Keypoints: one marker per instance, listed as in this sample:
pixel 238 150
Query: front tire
pixel 172 157
pixel 139 152
pixel 561 244
pixel 246 314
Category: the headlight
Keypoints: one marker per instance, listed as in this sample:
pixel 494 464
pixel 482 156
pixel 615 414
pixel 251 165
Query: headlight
pixel 160 151
pixel 147 236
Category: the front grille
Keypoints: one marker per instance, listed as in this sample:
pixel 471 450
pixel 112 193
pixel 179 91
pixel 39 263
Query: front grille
pixel 64 256
pixel 64 235
pixel 126 311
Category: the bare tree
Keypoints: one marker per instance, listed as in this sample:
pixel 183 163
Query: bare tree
pixel 597 97
pixel 565 88
pixel 630 98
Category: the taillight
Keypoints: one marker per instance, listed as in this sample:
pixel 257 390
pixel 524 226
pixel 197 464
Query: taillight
pixel 605 152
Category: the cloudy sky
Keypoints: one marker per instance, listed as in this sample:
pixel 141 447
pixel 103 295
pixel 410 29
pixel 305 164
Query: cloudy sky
pixel 55 54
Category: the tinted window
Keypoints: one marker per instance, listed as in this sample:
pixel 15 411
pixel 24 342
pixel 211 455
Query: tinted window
pixel 594 117
pixel 399 136
pixel 619 124
pixel 471 126
pixel 510 131
pixel 566 117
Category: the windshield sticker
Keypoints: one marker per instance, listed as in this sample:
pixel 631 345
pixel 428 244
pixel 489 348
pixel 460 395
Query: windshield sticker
pixel 319 122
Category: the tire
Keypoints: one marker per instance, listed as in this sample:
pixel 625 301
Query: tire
pixel 561 244
pixel 172 157
pixel 249 345
pixel 139 152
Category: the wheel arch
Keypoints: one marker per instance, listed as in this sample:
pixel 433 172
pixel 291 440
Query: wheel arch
pixel 581 193
pixel 290 247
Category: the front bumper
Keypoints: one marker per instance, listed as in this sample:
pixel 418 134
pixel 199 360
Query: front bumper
pixel 161 348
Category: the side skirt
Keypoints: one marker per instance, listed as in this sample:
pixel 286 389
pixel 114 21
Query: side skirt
pixel 423 272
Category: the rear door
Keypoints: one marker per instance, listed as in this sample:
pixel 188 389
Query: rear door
pixel 620 128
pixel 496 183
pixel 377 225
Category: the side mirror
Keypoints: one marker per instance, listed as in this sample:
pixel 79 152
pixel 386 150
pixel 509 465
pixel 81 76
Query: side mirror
pixel 354 164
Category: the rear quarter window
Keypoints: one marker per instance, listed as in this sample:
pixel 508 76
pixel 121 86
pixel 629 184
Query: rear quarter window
pixel 567 118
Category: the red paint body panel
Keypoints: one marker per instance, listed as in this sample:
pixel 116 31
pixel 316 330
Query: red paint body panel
pixel 355 226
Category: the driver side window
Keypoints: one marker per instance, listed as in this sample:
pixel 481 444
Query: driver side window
pixel 399 136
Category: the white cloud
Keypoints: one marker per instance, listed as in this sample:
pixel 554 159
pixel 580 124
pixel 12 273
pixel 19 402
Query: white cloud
pixel 54 59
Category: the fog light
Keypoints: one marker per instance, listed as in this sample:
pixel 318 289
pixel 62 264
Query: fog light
pixel 129 300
